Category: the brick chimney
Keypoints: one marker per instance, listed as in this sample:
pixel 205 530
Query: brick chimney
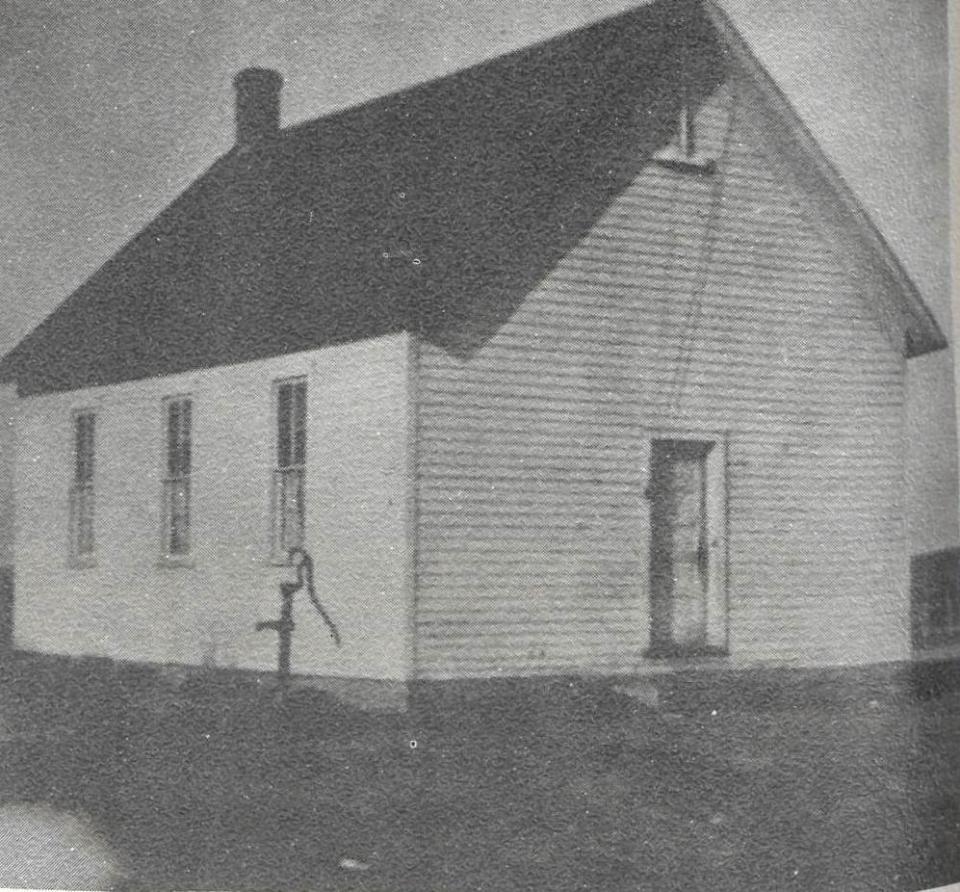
pixel 258 104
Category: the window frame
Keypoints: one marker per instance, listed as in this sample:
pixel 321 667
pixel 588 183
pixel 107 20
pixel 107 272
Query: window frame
pixel 289 461
pixel 174 471
pixel 82 491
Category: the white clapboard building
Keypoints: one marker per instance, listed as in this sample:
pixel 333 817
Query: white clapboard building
pixel 582 360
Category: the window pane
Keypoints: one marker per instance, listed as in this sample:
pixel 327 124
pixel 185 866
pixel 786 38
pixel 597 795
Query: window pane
pixel 284 405
pixel 299 423
pixel 291 508
pixel 173 426
pixel 178 438
pixel 186 435
pixel 83 447
pixel 177 498
pixel 81 520
pixel 85 544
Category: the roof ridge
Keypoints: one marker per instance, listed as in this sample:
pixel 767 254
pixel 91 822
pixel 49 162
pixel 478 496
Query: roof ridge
pixel 557 39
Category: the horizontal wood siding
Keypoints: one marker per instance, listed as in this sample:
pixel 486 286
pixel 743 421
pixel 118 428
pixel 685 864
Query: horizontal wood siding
pixel 702 307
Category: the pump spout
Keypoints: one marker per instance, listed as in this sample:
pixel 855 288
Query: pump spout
pixel 272 624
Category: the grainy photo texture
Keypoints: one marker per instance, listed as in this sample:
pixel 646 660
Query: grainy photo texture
pixel 484 445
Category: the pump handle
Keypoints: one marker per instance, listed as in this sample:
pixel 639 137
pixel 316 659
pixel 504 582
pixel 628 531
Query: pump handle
pixel 305 575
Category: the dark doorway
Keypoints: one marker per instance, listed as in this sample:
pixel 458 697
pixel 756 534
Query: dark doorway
pixel 683 590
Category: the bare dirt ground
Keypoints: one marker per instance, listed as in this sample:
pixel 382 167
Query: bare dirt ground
pixel 558 786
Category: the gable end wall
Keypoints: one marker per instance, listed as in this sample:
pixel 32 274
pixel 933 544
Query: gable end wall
pixel 699 307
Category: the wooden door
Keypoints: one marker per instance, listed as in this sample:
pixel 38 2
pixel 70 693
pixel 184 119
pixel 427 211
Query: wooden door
pixel 680 557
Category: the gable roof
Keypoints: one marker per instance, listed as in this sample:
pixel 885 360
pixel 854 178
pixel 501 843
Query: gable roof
pixel 868 256
pixel 431 209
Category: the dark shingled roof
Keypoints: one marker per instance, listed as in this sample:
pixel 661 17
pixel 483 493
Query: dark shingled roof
pixel 410 211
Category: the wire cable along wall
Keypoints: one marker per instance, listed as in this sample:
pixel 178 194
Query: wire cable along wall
pixel 693 316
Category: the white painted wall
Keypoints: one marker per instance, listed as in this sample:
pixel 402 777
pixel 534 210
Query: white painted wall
pixel 130 606
pixel 708 317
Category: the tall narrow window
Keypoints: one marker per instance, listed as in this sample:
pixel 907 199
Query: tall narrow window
pixel 289 476
pixel 82 487
pixel 176 483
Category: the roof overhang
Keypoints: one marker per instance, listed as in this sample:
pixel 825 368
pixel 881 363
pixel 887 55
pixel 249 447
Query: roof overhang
pixel 859 244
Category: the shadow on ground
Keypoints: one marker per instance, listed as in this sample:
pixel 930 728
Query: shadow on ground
pixel 555 786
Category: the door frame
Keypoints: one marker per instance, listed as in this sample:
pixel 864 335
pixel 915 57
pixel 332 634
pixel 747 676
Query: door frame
pixel 717 518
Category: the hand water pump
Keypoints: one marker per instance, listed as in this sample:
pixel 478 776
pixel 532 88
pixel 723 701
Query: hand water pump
pixel 284 626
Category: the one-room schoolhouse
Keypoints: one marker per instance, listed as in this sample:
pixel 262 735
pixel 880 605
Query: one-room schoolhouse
pixel 583 360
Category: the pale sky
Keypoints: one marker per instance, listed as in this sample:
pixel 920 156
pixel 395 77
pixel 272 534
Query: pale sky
pixel 110 109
